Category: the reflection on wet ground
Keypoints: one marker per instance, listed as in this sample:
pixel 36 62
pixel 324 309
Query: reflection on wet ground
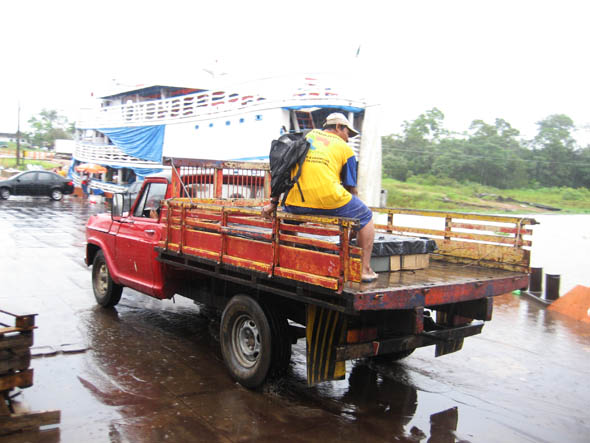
pixel 152 371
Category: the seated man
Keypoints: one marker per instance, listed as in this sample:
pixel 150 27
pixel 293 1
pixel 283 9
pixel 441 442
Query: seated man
pixel 328 184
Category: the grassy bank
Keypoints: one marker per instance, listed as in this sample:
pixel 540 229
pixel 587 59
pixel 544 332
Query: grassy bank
pixel 8 158
pixel 444 194
pixel 11 163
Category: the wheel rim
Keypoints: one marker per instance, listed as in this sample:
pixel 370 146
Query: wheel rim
pixel 246 341
pixel 4 193
pixel 56 194
pixel 101 280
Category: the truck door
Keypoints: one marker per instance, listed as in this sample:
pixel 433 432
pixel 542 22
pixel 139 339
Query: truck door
pixel 137 237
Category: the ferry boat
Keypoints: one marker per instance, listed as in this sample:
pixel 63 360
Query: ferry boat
pixel 129 131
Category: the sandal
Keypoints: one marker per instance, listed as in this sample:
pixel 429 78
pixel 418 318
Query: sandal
pixel 369 278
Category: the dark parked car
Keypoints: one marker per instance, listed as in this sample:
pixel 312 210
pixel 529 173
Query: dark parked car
pixel 36 183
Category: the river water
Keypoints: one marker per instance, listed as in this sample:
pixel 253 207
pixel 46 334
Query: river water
pixel 561 245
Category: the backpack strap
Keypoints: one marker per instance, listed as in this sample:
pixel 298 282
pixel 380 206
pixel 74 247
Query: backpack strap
pixel 295 179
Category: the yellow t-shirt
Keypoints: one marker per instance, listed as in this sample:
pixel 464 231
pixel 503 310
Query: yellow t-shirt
pixel 329 163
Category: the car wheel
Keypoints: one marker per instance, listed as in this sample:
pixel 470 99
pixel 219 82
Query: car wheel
pixel 246 341
pixel 56 194
pixel 4 193
pixel 106 291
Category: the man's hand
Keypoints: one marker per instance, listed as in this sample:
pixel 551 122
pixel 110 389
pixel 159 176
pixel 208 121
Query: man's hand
pixel 269 209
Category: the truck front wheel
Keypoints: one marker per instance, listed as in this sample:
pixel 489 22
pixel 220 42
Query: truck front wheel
pixel 246 335
pixel 106 292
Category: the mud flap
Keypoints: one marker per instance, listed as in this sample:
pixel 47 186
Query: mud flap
pixel 448 347
pixel 324 332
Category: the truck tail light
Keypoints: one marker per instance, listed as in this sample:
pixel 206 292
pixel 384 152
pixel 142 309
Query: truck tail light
pixel 361 335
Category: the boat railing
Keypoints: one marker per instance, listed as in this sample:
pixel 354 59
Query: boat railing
pixel 97 184
pixel 88 152
pixel 201 104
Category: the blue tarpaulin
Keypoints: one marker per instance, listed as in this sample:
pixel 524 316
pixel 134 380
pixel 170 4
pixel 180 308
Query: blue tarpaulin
pixel 143 142
pixel 342 108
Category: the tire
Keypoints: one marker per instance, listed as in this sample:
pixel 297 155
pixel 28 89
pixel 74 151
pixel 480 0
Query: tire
pixel 247 335
pixel 56 194
pixel 106 292
pixel 4 193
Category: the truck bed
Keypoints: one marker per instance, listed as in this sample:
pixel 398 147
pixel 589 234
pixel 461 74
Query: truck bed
pixel 441 283
pixel 474 256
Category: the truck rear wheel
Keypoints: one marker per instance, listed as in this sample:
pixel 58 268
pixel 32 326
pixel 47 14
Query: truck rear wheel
pixel 106 291
pixel 253 343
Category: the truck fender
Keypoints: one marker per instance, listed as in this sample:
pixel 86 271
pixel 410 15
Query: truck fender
pixel 91 251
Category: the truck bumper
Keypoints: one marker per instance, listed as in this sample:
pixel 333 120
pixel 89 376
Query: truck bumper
pixel 446 341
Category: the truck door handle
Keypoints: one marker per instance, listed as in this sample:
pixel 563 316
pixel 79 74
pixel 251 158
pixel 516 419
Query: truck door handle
pixel 150 231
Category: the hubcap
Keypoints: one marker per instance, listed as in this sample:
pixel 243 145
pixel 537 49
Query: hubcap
pixel 102 279
pixel 246 341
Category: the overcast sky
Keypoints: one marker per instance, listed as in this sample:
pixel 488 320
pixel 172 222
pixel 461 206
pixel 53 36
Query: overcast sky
pixel 517 60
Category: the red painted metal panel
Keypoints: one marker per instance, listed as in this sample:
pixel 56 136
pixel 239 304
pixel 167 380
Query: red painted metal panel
pixel 249 249
pixel 248 264
pixel 402 299
pixel 471 291
pixel 407 298
pixel 311 262
pixel 326 282
pixel 203 240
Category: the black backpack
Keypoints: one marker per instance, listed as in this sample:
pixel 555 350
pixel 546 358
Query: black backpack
pixel 286 152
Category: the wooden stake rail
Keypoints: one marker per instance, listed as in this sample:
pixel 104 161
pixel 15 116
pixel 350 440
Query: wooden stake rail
pixel 16 339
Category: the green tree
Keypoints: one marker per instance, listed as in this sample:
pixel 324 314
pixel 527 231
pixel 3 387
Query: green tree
pixel 414 151
pixel 498 157
pixel 554 151
pixel 49 126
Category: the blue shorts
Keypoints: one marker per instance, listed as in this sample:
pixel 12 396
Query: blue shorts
pixel 355 208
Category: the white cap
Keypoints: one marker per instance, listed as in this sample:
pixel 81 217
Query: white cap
pixel 337 118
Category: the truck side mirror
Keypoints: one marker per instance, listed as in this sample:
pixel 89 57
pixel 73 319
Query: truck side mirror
pixel 117 206
pixel 121 206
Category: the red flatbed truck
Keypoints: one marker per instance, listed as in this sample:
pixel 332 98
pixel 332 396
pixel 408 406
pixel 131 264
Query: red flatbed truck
pixel 200 234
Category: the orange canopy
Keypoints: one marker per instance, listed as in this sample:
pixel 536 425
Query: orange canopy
pixel 91 168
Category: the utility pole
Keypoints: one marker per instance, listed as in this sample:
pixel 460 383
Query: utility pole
pixel 18 136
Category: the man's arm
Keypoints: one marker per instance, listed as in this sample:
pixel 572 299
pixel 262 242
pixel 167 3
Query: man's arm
pixel 268 210
pixel 352 189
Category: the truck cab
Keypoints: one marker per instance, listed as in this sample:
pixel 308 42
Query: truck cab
pixel 125 240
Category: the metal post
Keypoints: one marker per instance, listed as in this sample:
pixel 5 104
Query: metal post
pixel 552 286
pixel 383 198
pixel 18 137
pixel 536 280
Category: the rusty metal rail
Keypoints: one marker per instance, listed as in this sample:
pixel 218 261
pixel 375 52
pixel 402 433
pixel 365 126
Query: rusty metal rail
pixel 215 215
pixel 289 246
pixel 216 179
pixel 488 240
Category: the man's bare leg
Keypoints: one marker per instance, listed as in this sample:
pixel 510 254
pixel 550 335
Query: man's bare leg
pixel 366 236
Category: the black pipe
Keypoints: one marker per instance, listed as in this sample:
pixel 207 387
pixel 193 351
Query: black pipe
pixel 536 280
pixel 552 286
